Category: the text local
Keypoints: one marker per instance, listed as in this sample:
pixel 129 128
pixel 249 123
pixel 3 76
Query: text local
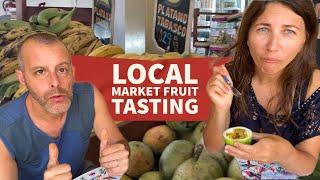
pixel 172 75
pixel 144 105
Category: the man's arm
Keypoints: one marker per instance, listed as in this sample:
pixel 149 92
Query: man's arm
pixel 103 120
pixel 8 166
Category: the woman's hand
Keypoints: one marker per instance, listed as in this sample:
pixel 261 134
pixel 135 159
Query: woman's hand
pixel 269 149
pixel 219 91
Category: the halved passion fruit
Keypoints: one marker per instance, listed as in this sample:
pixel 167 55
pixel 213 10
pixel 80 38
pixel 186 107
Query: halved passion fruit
pixel 237 134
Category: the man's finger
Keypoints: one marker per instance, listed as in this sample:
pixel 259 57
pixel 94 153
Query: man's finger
pixel 59 169
pixel 103 140
pixel 65 176
pixel 258 136
pixel 53 155
pixel 117 171
pixel 114 156
pixel 113 149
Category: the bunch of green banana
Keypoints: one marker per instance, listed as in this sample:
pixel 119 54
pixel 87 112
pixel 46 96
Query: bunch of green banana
pixel 76 41
pixel 17 32
pixel 8 67
pixel 108 50
pixel 10 78
pixel 20 92
pixel 79 29
pixel 54 20
pixel 10 50
pixel 45 16
pixel 94 45
pixel 73 24
pixel 8 86
pixel 7 25
pixel 83 36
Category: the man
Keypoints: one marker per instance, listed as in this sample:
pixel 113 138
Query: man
pixel 45 133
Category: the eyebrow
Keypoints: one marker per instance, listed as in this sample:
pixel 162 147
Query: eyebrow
pixel 63 63
pixel 286 25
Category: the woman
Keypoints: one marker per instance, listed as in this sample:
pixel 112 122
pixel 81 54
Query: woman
pixel 274 68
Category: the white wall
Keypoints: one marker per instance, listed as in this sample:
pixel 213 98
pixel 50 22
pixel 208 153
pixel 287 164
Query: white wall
pixel 1 10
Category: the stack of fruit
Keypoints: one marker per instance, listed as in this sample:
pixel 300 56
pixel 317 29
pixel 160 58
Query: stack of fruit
pixel 12 33
pixel 51 20
pixel 175 151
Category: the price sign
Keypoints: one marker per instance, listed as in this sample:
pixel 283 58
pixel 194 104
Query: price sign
pixel 171 24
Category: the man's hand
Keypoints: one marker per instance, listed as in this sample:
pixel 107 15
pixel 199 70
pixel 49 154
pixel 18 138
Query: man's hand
pixel 56 171
pixel 269 149
pixel 113 157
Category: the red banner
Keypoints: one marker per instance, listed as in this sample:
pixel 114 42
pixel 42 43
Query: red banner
pixel 163 90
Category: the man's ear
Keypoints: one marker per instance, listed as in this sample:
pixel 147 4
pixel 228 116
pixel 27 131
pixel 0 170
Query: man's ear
pixel 20 76
pixel 73 71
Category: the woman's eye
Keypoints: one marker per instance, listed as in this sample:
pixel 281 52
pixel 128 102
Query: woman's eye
pixel 263 29
pixel 289 31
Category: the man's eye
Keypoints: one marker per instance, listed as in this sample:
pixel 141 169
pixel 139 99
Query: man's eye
pixel 39 72
pixel 63 70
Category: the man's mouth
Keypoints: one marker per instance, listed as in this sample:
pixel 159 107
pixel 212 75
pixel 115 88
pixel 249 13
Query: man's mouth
pixel 58 98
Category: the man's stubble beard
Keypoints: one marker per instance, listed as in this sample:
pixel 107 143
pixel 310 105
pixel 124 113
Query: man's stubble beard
pixel 50 106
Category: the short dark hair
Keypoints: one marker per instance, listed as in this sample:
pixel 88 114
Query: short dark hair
pixel 41 37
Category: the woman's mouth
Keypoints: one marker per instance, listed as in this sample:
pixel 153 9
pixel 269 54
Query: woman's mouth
pixel 270 60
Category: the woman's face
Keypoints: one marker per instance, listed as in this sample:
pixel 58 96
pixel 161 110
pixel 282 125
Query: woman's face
pixel 275 38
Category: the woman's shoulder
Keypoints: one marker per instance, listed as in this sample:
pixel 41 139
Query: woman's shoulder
pixel 314 83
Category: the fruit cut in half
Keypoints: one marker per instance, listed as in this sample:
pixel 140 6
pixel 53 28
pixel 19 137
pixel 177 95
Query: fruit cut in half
pixel 237 134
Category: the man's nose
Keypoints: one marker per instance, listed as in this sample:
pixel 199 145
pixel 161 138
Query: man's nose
pixel 54 80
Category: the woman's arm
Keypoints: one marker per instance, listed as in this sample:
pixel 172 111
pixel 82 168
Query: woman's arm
pixel 300 160
pixel 221 97
pixel 218 122
pixel 304 157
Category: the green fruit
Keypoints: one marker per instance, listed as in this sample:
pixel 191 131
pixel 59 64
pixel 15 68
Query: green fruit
pixel 225 178
pixel 61 25
pixel 201 168
pixel 237 134
pixel 197 132
pixel 182 125
pixel 7 25
pixel 158 137
pixel 222 161
pixel 141 159
pixel 33 19
pixel 151 175
pixel 45 15
pixel 9 79
pixel 125 177
pixel 173 155
pixel 184 135
pixel 227 156
pixel 218 156
pixel 234 170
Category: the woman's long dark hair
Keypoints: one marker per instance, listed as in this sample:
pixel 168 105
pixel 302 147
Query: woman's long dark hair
pixel 294 75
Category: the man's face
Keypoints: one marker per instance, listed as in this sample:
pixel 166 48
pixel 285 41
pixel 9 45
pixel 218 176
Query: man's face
pixel 48 74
